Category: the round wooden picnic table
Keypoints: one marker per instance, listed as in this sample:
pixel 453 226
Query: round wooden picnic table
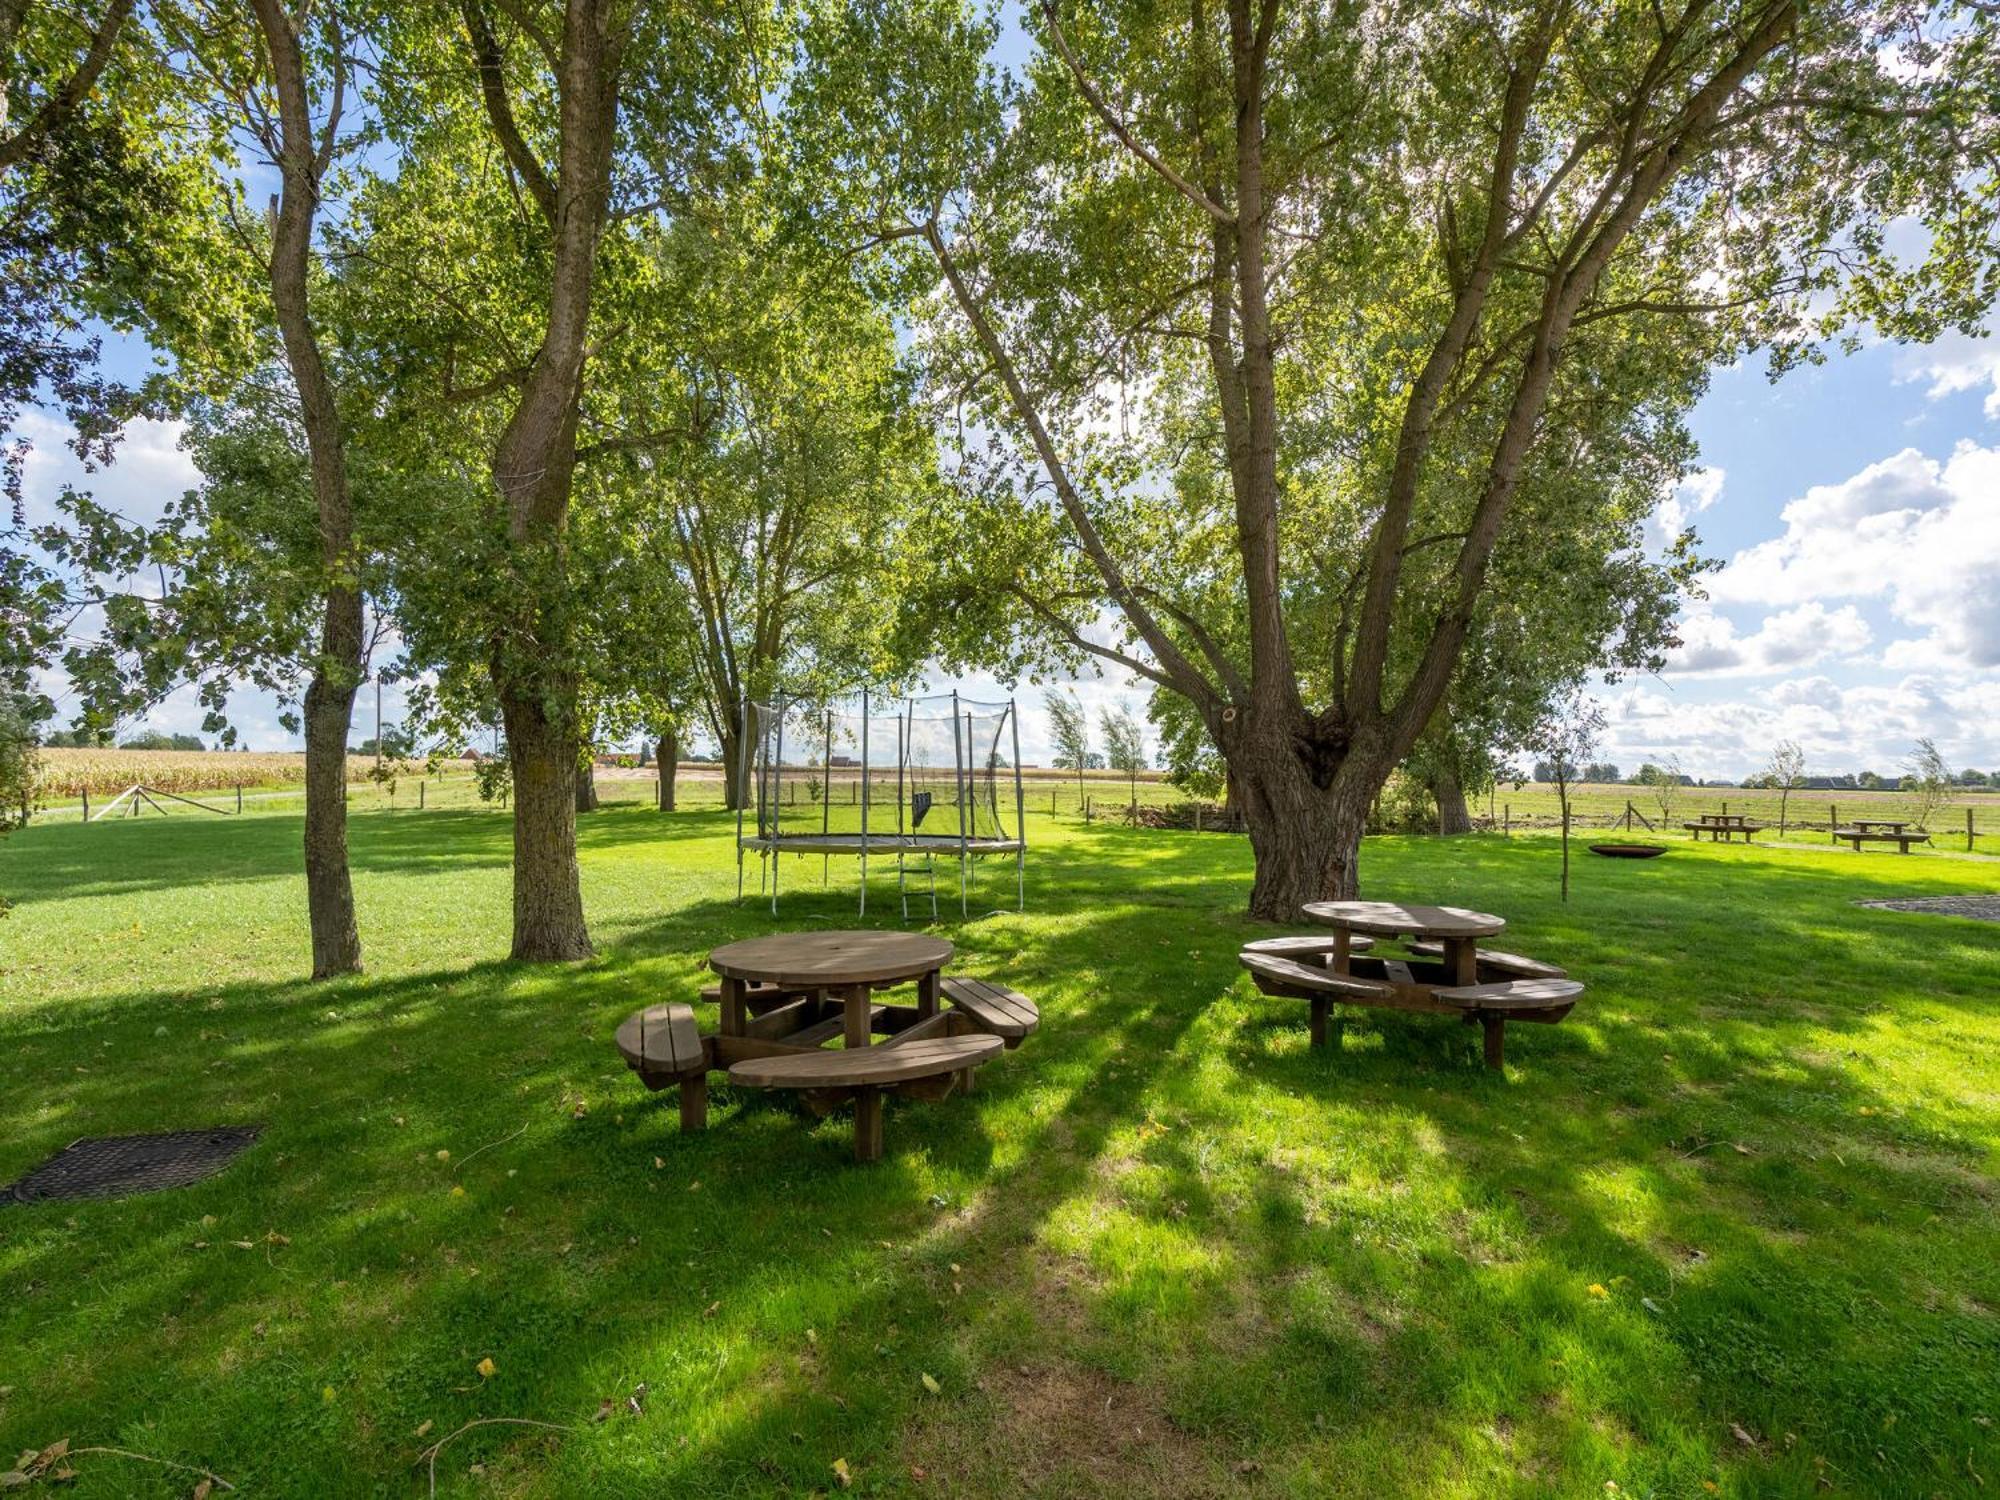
pixel 850 964
pixel 1458 929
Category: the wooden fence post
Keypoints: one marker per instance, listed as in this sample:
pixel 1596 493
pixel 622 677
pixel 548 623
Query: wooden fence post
pixel 1507 820
pixel 86 804
pixel 420 794
pixel 1968 830
pixel 239 799
pixel 1832 822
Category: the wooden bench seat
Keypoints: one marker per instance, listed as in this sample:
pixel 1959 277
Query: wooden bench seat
pixel 1514 965
pixel 663 1046
pixel 1858 836
pixel 1494 1005
pixel 927 1068
pixel 1320 988
pixel 994 1008
pixel 1306 945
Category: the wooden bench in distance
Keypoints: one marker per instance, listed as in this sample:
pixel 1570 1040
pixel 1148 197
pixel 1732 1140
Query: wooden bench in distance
pixel 993 1008
pixel 663 1046
pixel 1858 836
pixel 1507 965
pixel 927 1069
pixel 1494 1005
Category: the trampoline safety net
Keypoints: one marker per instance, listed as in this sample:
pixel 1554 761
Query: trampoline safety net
pixel 914 782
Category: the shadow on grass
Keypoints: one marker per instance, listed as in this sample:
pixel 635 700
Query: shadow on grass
pixel 1377 1265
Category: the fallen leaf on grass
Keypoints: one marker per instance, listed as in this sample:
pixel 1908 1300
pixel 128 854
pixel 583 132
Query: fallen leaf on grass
pixel 1596 1289
pixel 485 1367
pixel 203 1490
pixel 841 1472
pixel 1736 1431
pixel 931 1385
pixel 423 1427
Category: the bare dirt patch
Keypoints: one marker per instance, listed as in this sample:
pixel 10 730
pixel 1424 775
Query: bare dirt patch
pixel 1061 1428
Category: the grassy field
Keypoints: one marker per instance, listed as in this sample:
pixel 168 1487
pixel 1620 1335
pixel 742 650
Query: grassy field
pixel 1728 1231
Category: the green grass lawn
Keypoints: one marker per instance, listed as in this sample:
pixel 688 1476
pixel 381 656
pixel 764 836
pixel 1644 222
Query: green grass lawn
pixel 1731 1229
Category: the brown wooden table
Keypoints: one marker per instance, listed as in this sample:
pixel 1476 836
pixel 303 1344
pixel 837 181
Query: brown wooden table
pixel 1446 972
pixel 850 965
pixel 1456 928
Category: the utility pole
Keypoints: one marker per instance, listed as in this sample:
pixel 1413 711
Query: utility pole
pixel 378 720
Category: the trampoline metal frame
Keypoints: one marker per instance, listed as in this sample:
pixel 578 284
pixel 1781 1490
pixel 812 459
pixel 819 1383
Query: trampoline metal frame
pixel 769 847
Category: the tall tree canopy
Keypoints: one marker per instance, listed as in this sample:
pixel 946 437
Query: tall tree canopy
pixel 1308 318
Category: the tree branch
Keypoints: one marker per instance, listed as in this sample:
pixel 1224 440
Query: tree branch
pixel 67 99
pixel 1120 129
pixel 492 66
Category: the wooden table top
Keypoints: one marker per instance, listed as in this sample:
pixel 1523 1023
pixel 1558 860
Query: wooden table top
pixel 1394 919
pixel 835 957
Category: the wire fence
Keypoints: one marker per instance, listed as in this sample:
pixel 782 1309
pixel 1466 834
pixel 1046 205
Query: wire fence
pixel 1969 820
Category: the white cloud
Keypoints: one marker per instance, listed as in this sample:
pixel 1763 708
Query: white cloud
pixel 1788 641
pixel 1922 535
pixel 1690 498
pixel 1955 363
pixel 148 468
pixel 1842 727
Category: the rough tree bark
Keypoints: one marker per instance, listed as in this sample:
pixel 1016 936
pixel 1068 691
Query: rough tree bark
pixel 1454 816
pixel 586 786
pixel 667 759
pixel 337 670
pixel 534 465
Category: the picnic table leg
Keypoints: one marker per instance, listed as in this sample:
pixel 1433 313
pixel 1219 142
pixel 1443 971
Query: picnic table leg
pixel 927 995
pixel 1461 958
pixel 868 1125
pixel 1495 1028
pixel 694 1101
pixel 1320 1006
pixel 732 1007
pixel 1343 952
pixel 855 1008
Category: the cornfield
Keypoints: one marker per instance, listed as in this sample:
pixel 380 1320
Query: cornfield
pixel 65 774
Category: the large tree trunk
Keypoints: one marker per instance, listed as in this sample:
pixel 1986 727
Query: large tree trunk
pixel 667 758
pixel 586 785
pixel 548 896
pixel 1304 807
pixel 1449 793
pixel 736 777
pixel 329 714
pixel 329 701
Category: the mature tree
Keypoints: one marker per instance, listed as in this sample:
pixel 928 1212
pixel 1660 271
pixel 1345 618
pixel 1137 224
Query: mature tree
pixel 95 139
pixel 1069 732
pixel 1124 744
pixel 564 133
pixel 1372 278
pixel 1786 774
pixel 778 507
pixel 283 95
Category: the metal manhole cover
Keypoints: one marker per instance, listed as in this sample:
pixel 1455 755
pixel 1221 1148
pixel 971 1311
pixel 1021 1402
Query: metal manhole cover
pixel 1980 908
pixel 111 1166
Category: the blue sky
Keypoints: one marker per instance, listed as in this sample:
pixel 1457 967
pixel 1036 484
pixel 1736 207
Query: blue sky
pixel 1856 507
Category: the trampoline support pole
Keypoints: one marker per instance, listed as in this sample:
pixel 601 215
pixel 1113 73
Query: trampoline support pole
pixel 864 801
pixel 777 804
pixel 958 773
pixel 1020 817
pixel 743 792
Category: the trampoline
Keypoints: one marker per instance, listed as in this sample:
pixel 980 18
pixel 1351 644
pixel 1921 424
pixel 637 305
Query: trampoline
pixel 916 782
